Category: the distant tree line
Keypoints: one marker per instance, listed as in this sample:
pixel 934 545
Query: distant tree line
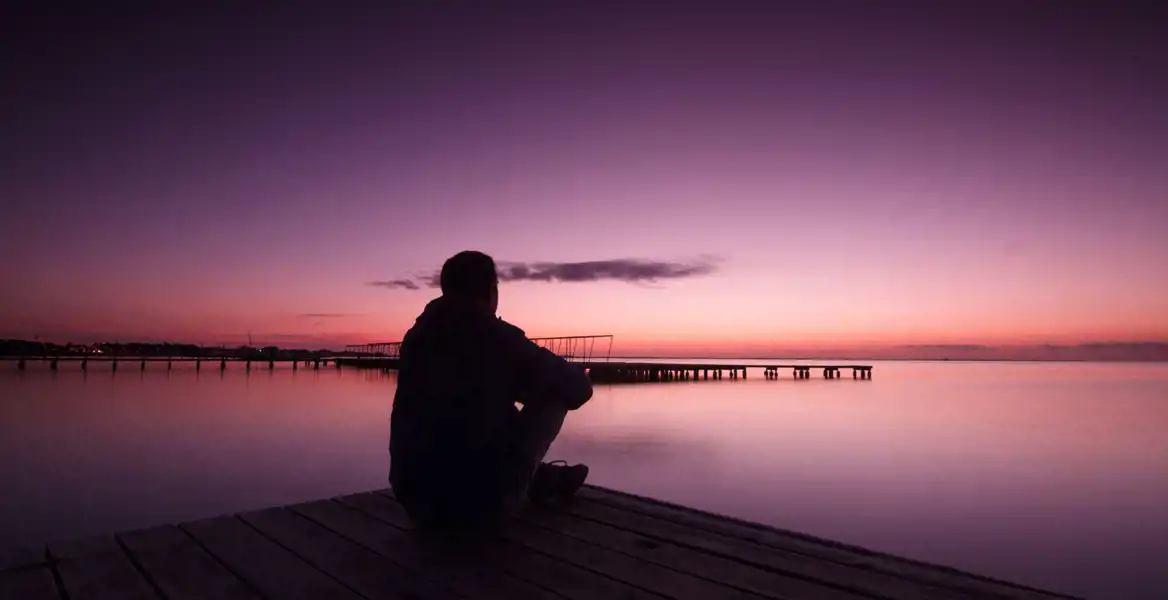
pixel 11 347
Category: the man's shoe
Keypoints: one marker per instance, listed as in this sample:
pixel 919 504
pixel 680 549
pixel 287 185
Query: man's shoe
pixel 556 479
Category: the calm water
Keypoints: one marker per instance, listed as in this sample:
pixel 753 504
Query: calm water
pixel 1054 475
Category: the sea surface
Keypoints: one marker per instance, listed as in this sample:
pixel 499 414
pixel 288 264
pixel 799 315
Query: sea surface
pixel 1049 474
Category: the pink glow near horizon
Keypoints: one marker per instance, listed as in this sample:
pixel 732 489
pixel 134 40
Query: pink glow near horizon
pixel 931 189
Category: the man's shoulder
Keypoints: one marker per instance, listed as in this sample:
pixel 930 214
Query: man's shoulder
pixel 508 332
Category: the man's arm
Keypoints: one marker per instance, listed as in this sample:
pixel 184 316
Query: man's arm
pixel 544 376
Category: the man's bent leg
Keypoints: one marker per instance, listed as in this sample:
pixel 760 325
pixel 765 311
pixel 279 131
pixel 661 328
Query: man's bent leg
pixel 532 432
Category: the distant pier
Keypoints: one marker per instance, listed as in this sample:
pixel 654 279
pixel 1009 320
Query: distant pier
pixel 579 349
pixel 112 362
pixel 636 372
pixel 582 349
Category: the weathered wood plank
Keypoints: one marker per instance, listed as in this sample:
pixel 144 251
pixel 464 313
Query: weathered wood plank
pixel 274 571
pixel 631 570
pixel 22 557
pixel 464 572
pixel 563 577
pixel 819 548
pixel 659 540
pixel 180 568
pixel 365 571
pixel 708 566
pixel 97 568
pixel 35 583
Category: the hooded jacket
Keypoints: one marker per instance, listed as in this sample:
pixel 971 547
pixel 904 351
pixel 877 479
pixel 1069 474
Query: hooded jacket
pixel 461 374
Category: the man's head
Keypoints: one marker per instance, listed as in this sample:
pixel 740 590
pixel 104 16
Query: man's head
pixel 470 277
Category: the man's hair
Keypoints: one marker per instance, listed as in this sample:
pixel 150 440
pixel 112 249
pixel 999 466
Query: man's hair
pixel 468 274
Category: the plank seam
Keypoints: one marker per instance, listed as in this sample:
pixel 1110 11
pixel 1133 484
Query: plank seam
pixel 249 585
pixel 509 572
pixel 301 558
pixel 586 568
pixel 655 563
pixel 387 557
pixel 57 580
pixel 138 567
pixel 565 561
pixel 781 572
pixel 821 541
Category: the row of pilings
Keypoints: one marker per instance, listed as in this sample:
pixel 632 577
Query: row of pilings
pixel 627 373
pixel 54 363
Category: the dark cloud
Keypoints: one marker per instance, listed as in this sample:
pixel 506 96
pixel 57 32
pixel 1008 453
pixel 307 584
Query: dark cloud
pixel 394 284
pixel 631 270
pixel 327 315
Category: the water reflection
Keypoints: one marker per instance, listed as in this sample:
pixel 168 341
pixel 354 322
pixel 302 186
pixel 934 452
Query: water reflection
pixel 1051 474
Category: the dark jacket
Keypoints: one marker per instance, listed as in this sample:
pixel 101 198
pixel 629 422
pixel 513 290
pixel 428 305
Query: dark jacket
pixel 461 374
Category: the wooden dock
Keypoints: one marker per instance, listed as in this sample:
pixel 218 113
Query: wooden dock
pixel 112 362
pixel 601 545
pixel 645 372
pixel 581 349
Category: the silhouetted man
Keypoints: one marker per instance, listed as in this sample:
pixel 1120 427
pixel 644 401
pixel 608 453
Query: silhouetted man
pixel 462 455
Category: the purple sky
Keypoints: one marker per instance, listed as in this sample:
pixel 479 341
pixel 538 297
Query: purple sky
pixel 858 175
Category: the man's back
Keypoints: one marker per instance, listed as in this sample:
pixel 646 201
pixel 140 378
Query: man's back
pixel 452 427
pixel 456 386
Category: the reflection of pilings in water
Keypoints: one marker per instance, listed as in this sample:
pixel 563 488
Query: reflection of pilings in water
pixel 829 371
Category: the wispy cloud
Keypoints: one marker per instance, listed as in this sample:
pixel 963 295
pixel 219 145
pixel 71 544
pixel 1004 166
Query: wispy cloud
pixel 394 284
pixel 629 270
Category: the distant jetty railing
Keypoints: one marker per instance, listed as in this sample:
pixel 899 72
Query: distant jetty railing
pixel 575 348
pixel 375 349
